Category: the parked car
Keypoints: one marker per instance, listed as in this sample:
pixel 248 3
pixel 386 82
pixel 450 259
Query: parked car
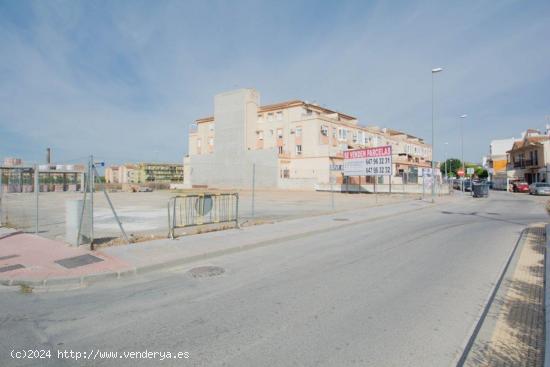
pixel 467 185
pixel 520 186
pixel 539 188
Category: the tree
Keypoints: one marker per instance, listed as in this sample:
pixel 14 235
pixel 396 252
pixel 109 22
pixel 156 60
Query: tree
pixel 481 172
pixel 453 165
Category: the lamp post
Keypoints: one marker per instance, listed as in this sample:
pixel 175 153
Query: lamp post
pixel 434 71
pixel 462 149
pixel 446 174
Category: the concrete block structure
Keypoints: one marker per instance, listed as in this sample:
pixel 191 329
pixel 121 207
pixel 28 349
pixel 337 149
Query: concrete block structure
pixel 290 145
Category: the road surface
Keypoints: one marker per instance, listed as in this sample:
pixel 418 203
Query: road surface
pixel 400 291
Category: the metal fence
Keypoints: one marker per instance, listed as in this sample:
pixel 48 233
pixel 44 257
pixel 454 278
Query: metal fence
pixel 199 209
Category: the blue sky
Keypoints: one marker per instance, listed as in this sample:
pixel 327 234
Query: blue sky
pixel 124 79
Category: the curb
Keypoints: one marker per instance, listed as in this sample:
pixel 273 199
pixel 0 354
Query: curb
pixel 84 280
pixel 546 300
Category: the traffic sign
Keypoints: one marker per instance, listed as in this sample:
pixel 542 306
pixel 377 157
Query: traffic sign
pixel 470 170
pixel 460 173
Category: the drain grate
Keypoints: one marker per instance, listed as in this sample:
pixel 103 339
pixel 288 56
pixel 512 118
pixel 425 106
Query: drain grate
pixel 75 262
pixel 206 271
pixel 11 267
pixel 8 257
pixel 341 219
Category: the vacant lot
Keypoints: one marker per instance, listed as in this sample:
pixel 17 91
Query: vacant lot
pixel 146 212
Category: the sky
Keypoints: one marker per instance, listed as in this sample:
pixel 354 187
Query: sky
pixel 123 80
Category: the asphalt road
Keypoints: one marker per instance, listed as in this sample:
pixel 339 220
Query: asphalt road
pixel 400 291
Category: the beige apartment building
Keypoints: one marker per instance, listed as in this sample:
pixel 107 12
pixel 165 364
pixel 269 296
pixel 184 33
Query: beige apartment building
pixel 142 173
pixel 294 144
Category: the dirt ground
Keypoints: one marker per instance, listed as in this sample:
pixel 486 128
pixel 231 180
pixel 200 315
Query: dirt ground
pixel 146 212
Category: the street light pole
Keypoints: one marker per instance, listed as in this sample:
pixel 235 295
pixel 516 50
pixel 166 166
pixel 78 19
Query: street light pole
pixel 446 174
pixel 434 71
pixel 462 150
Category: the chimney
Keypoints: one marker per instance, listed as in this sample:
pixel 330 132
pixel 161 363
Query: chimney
pixel 48 155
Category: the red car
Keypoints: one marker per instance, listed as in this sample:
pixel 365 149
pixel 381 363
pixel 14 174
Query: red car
pixel 520 187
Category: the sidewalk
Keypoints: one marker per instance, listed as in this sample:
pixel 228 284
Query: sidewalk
pixel 514 334
pixel 37 262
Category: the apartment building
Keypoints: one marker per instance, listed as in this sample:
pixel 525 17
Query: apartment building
pixel 529 158
pixel 293 144
pixel 142 173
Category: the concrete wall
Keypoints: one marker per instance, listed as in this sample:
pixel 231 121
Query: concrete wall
pixel 231 162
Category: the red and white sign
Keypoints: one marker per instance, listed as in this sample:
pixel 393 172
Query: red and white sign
pixel 368 161
pixel 460 173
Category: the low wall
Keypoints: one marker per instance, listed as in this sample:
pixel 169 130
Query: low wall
pixel 384 188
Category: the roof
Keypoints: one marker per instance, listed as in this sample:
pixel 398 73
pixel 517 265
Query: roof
pixel 529 141
pixel 397 132
pixel 287 104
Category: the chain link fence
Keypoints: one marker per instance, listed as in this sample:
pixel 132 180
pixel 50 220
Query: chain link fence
pixel 58 206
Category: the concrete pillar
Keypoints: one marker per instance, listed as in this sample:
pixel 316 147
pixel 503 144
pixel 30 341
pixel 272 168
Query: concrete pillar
pixel 73 212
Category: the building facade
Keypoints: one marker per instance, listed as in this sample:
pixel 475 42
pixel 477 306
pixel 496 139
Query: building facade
pixel 294 144
pixel 529 157
pixel 142 173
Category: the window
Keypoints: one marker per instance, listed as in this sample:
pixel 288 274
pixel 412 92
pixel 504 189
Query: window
pixel 308 112
pixel 260 135
pixel 299 131
pixel 298 149
pixel 270 116
pixel 279 133
pixel 354 137
pixel 324 130
pixel 280 150
pixel 279 116
pixel 342 134
pixel 211 141
pixel 211 127
pixel 198 143
pixel 334 132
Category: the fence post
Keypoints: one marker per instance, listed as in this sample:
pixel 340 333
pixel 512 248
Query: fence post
pixel 91 178
pixel 375 194
pixel 423 186
pixel 1 196
pixel 237 210
pixel 253 186
pixel 36 193
pixel 331 192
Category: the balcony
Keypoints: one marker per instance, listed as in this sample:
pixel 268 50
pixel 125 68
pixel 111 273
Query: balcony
pixel 525 163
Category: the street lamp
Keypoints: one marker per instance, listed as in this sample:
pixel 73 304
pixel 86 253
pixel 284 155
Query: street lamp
pixel 462 150
pixel 446 175
pixel 434 71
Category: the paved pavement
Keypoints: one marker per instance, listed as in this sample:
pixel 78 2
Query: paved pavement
pixel 513 333
pixel 33 260
pixel 399 291
pixel 39 257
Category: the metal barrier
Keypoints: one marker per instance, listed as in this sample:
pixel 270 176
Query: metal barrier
pixel 199 209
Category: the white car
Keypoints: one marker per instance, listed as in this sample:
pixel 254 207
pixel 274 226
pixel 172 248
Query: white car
pixel 539 188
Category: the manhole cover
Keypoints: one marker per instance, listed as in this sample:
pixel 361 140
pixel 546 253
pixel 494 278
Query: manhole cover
pixel 341 219
pixel 11 267
pixel 75 262
pixel 206 271
pixel 8 257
